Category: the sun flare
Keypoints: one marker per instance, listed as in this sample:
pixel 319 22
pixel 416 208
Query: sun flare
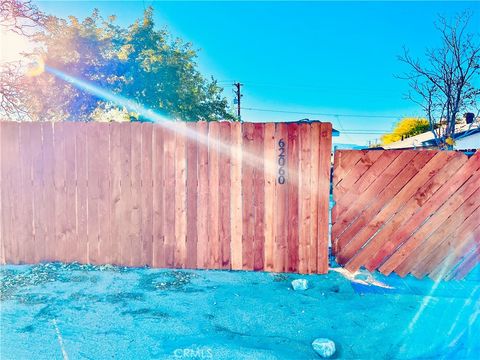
pixel 36 69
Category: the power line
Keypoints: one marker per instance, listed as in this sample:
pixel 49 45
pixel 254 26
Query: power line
pixel 311 86
pixel 326 114
pixel 342 128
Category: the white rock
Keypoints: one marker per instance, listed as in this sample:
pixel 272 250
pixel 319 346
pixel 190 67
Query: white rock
pixel 300 284
pixel 324 347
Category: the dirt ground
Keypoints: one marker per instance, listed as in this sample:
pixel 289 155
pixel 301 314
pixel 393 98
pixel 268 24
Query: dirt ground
pixel 58 311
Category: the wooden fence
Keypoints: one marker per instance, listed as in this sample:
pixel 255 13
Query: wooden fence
pixel 214 195
pixel 412 212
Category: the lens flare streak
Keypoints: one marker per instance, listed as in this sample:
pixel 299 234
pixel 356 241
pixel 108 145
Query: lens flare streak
pixel 167 123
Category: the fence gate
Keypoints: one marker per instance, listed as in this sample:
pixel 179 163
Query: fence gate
pixel 407 211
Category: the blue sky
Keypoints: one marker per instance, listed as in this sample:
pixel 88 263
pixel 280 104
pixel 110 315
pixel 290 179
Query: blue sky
pixel 305 57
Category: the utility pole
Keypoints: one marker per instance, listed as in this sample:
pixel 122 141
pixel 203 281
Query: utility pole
pixel 239 95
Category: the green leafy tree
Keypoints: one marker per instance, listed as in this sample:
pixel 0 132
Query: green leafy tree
pixel 141 63
pixel 406 128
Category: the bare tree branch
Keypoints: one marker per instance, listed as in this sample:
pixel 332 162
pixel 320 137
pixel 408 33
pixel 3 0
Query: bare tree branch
pixel 444 84
pixel 25 19
pixel 21 16
pixel 12 92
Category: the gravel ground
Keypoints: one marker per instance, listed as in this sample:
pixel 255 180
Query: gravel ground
pixel 60 311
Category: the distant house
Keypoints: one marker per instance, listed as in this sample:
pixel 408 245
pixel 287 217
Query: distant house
pixel 467 137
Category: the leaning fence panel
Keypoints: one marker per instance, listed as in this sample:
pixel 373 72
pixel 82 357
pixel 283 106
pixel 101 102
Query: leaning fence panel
pixel 407 211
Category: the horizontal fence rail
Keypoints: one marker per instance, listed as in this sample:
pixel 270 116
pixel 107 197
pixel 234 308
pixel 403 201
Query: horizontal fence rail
pixel 218 195
pixel 407 211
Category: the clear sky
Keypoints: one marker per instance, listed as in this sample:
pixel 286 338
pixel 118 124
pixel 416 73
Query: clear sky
pixel 306 57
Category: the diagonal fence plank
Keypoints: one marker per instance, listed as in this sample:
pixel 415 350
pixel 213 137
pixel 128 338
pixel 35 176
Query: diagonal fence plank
pixel 459 241
pixel 453 253
pixel 421 195
pixel 447 227
pixel 415 212
pixel 388 201
pixel 434 222
pixel 431 206
pixel 363 201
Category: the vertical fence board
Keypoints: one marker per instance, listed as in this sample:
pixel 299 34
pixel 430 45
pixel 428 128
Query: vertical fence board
pixel 158 173
pixel 48 192
pixel 38 201
pixel 323 196
pixel 136 193
pixel 305 194
pixel 248 197
pixel 93 174
pixel 146 192
pixel 180 197
pixel 259 198
pixel 205 196
pixel 169 198
pixel 293 201
pixel 270 163
pixel 236 211
pixel 126 238
pixel 16 211
pixel 224 195
pixel 281 196
pixel 25 228
pixel 192 195
pixel 102 193
pixel 116 193
pixel 19 206
pixel 81 193
pixel 9 144
pixel 102 165
pixel 59 178
pixel 213 196
pixel 315 157
pixel 203 214
pixel 70 190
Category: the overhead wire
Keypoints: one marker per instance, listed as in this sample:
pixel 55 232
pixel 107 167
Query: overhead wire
pixel 324 114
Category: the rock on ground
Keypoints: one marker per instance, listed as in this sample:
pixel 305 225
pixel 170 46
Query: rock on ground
pixel 324 347
pixel 299 284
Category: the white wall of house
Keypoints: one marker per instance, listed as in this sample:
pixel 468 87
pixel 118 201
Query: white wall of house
pixel 468 142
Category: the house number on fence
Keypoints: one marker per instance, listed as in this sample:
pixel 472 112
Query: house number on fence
pixel 281 162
